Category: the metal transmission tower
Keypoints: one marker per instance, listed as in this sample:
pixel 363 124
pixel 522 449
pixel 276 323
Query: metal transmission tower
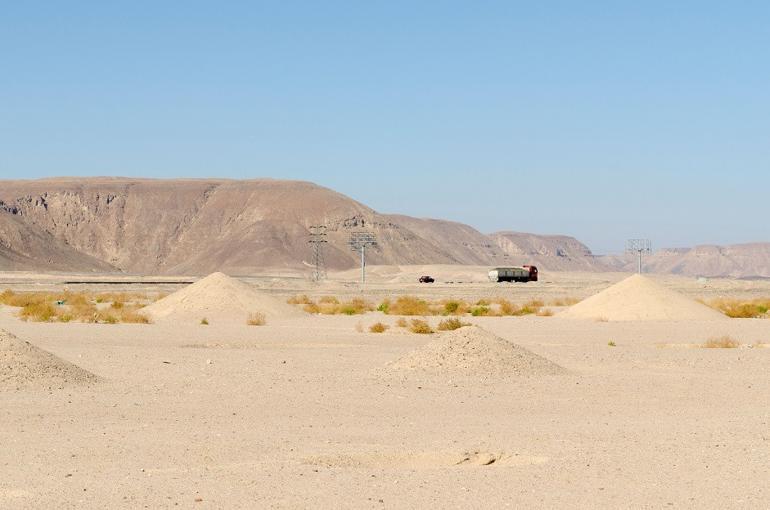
pixel 359 241
pixel 317 240
pixel 639 247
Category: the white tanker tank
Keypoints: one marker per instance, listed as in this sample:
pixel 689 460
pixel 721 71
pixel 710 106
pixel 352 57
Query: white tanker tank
pixel 514 274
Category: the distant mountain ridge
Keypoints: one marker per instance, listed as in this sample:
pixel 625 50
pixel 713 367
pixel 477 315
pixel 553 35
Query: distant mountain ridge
pixel 199 226
pixel 749 260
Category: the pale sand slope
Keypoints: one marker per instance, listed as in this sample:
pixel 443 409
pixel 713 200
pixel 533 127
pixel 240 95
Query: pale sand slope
pixel 638 298
pixel 473 352
pixel 24 366
pixel 219 298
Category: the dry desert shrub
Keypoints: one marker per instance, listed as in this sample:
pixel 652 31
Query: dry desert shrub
pixel 312 308
pixel 455 307
pixel 451 324
pixel 564 301
pixel 546 312
pixel 413 306
pixel 378 327
pixel 401 323
pixel 724 342
pixel 256 319
pixel 530 307
pixel 481 311
pixel 505 307
pixel 133 317
pixel 78 306
pixel 330 305
pixel 408 305
pixel 420 327
pixel 204 322
pixel 299 299
pixel 741 309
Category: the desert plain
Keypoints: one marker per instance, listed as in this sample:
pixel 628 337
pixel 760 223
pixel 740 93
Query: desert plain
pixel 316 411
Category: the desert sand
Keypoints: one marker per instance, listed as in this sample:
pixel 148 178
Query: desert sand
pixel 315 412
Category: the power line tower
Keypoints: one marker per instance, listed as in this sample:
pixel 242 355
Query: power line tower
pixel 359 241
pixel 639 247
pixel 317 241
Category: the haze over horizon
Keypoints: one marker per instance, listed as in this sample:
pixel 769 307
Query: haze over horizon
pixel 598 121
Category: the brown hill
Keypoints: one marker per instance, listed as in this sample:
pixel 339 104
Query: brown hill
pixel 554 252
pixel 189 226
pixel 25 246
pixel 751 260
pixel 462 244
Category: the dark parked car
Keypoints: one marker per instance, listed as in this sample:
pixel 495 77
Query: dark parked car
pixel 426 279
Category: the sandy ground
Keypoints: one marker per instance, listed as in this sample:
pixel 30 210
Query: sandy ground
pixel 297 414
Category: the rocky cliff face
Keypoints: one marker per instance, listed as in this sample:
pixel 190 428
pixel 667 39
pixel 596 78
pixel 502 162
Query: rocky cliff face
pixel 24 247
pixel 557 253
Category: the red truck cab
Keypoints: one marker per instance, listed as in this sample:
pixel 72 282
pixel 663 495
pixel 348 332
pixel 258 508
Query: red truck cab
pixel 532 273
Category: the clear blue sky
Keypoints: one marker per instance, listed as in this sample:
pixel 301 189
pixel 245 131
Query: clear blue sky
pixel 602 120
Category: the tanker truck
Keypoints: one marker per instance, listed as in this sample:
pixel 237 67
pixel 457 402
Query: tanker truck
pixel 514 274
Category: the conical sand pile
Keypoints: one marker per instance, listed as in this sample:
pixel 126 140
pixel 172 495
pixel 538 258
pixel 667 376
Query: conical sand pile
pixel 638 298
pixel 219 298
pixel 22 365
pixel 473 352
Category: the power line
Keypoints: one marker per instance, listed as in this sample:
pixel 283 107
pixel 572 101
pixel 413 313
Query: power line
pixel 639 247
pixel 359 241
pixel 318 240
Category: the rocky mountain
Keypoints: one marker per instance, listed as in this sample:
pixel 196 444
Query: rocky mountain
pixel 557 253
pixel 192 226
pixel 25 246
pixel 199 226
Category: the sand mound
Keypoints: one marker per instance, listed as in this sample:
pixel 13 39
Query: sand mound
pixel 473 352
pixel 219 298
pixel 22 365
pixel 638 298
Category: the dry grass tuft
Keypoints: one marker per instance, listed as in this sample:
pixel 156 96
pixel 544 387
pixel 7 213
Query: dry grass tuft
pixel 408 305
pixel 420 327
pixel 454 307
pixel 330 305
pixel 204 322
pixel 401 323
pixel 546 312
pixel 481 311
pixel 742 309
pixel 564 301
pixel 256 319
pixel 451 324
pixel 299 299
pixel 724 342
pixel 497 307
pixel 102 308
pixel 378 327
